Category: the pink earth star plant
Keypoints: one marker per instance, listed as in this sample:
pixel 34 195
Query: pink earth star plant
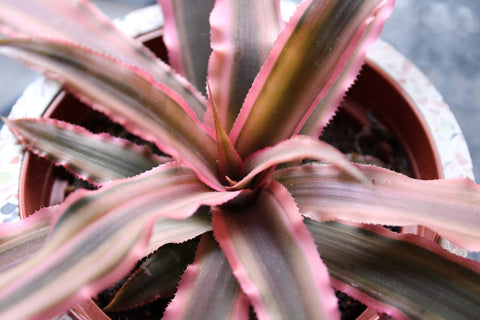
pixel 244 208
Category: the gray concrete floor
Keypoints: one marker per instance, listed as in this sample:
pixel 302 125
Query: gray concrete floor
pixel 442 37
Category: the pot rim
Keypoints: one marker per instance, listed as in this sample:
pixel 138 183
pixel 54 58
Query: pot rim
pixel 444 129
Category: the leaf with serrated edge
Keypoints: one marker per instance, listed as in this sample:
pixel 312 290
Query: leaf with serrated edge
pixel 449 207
pixel 60 19
pixel 230 165
pixel 21 239
pixel 274 258
pixel 186 34
pixel 242 35
pixel 157 276
pixel 313 48
pixel 127 95
pixel 323 112
pixel 296 149
pixel 167 230
pixel 96 158
pixel 406 276
pixel 208 289
pixel 79 247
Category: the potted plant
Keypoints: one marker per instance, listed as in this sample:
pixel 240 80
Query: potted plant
pixel 245 191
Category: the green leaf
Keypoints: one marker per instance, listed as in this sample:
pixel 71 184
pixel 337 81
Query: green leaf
pixel 127 95
pixel 96 158
pixel 167 230
pixel 19 240
pixel 79 248
pixel 297 149
pixel 156 277
pixel 186 34
pixel 332 98
pixel 242 35
pixel 305 60
pixel 77 21
pixel 230 165
pixel 449 207
pixel 273 256
pixel 403 275
pixel 208 289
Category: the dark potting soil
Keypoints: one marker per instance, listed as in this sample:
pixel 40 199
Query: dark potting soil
pixel 369 144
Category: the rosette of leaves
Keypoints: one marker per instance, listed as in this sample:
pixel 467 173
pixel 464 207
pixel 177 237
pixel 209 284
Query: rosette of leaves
pixel 237 221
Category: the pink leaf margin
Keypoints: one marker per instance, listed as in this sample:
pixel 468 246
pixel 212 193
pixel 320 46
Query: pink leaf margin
pixel 378 16
pixel 176 309
pixel 409 238
pixel 296 149
pixel 134 237
pixel 365 38
pixel 171 36
pixel 449 207
pixel 303 237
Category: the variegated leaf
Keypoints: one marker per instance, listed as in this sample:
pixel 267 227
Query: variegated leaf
pixel 296 149
pixel 96 158
pixel 305 60
pixel 273 256
pixel 156 277
pixel 208 289
pixel 449 207
pixel 406 276
pixel 187 37
pixel 21 239
pixel 167 230
pixel 332 98
pixel 127 95
pixel 230 165
pixel 242 35
pixel 77 21
pixel 80 248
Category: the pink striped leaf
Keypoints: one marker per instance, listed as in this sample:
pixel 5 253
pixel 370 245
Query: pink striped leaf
pixel 242 34
pixel 230 165
pixel 406 276
pixel 21 239
pixel 305 60
pixel 77 21
pixel 208 289
pixel 449 207
pixel 96 158
pixel 79 247
pixel 297 148
pixel 323 112
pixel 128 96
pixel 274 258
pixel 187 37
pixel 167 230
pixel 157 276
